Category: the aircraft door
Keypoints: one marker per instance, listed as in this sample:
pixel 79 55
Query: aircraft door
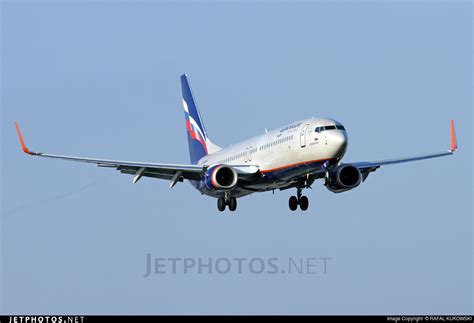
pixel 303 135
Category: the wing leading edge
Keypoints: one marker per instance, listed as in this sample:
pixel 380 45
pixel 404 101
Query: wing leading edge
pixel 173 172
pixel 367 167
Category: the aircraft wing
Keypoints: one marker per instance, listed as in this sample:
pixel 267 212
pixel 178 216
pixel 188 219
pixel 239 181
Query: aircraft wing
pixel 173 172
pixel 367 167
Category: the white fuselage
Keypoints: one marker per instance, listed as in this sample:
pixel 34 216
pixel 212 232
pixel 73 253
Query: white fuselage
pixel 279 153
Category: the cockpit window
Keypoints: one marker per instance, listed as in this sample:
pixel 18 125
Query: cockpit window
pixel 323 128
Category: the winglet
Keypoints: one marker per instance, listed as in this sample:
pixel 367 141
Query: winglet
pixel 23 146
pixel 454 144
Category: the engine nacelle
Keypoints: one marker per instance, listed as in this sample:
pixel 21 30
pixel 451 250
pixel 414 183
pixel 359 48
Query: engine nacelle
pixel 221 177
pixel 343 178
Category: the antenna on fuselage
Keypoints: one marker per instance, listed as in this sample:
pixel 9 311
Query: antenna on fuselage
pixel 266 131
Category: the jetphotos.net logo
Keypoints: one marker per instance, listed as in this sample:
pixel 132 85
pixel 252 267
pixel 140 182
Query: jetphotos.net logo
pixel 160 266
pixel 46 319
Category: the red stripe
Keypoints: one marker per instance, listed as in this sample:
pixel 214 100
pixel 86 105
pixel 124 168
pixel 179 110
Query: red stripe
pixel 293 165
pixel 194 135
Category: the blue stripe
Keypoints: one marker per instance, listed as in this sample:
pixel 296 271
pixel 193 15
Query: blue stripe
pixel 196 148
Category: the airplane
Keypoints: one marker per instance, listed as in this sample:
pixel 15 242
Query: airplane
pixel 291 157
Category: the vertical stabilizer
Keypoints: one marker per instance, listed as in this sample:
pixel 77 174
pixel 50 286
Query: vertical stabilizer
pixel 199 144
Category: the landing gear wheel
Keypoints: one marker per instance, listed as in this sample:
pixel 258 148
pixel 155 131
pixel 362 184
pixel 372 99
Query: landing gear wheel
pixel 232 203
pixel 304 203
pixel 293 203
pixel 221 204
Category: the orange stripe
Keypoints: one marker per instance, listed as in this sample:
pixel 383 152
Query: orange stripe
pixel 293 165
pixel 23 146
pixel 454 144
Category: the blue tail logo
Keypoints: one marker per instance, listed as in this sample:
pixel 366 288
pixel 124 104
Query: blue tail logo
pixel 197 138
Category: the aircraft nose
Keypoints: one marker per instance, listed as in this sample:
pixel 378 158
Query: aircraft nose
pixel 339 141
pixel 340 137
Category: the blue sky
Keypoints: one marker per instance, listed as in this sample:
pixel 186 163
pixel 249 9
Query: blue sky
pixel 102 79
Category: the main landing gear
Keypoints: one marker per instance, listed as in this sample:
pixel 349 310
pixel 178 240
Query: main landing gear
pixel 229 201
pixel 300 200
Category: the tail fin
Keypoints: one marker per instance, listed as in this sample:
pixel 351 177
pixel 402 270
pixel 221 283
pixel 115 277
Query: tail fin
pixel 199 144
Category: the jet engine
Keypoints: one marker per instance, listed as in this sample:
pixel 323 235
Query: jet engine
pixel 221 177
pixel 343 178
